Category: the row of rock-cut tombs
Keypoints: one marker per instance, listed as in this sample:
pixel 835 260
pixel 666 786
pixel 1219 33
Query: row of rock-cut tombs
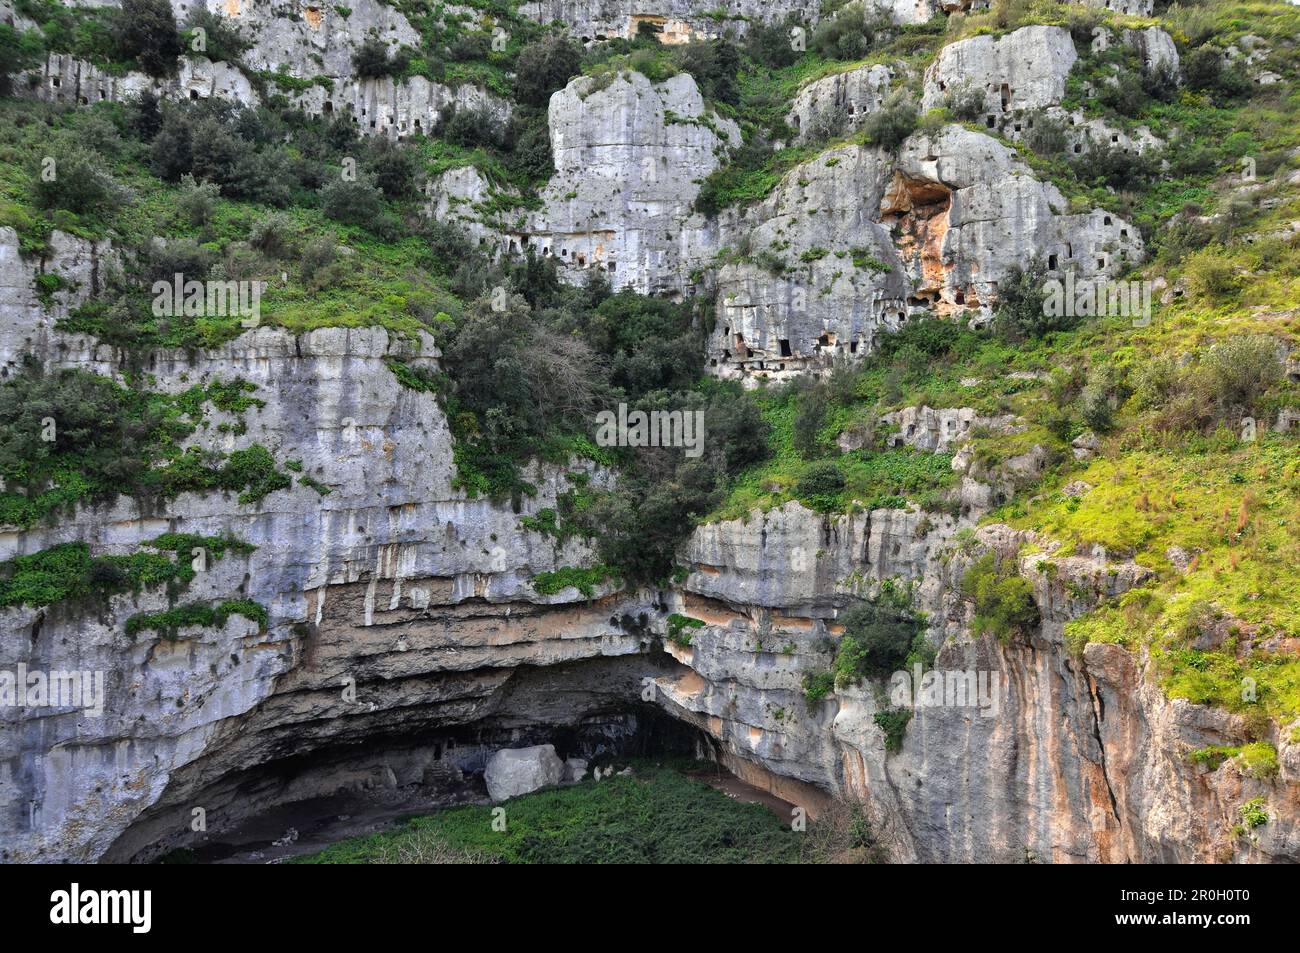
pixel 576 249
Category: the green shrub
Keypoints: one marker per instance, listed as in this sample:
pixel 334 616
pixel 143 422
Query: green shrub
pixel 892 123
pixel 170 622
pixel 817 685
pixel 878 636
pixel 584 580
pixel 820 485
pixel 146 32
pixel 75 181
pixel 893 722
pixel 357 201
pixel 1004 600
pixel 545 66
pixel 680 628
pixel 223 41
pixel 1252 813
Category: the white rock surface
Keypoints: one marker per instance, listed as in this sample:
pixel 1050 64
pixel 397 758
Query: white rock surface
pixel 841 101
pixel 515 771
pixel 629 158
pixel 1025 69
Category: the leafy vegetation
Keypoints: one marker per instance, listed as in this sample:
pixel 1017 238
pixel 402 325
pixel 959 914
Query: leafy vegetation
pixel 658 815
pixel 680 628
pixel 879 635
pixel 584 580
pixel 1004 600
pixel 67 572
pixel 169 622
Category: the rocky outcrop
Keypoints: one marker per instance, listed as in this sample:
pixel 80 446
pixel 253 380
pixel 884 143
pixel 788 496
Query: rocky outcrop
pixel 65 79
pixel 396 604
pixel 310 44
pixel 819 276
pixel 836 105
pixel 675 21
pixel 397 109
pixel 462 197
pixel 1022 70
pixel 1155 48
pixel 1033 753
pixel 26 318
pixel 307 39
pixel 629 157
pixel 855 242
pixel 939 430
pixel 973 211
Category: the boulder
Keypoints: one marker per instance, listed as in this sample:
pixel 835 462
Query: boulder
pixel 515 771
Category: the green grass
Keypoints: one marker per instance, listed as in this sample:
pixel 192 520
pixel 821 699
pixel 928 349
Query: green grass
pixel 873 478
pixel 656 816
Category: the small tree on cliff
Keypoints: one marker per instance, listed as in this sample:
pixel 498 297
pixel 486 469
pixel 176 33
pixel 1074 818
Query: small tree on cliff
pixel 146 32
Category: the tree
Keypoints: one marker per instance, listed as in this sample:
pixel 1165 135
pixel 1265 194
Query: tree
pixel 770 44
pixel 222 40
pixel 354 202
pixel 892 123
pixel 78 182
pixel 145 31
pixel 370 59
pixel 393 167
pixel 545 66
pixel 1021 312
pixel 812 399
pixel 18 51
pixel 170 155
pixel 878 635
pixel 1004 600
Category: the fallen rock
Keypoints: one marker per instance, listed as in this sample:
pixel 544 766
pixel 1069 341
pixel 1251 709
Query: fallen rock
pixel 575 769
pixel 515 771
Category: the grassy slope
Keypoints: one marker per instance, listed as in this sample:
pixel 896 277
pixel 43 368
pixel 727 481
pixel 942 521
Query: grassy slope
pixel 656 816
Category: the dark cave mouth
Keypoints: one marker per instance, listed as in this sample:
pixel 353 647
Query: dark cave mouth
pixel 304 802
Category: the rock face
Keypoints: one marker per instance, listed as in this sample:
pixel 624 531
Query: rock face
pixel 515 771
pixel 308 39
pixel 938 431
pixel 972 211
pixel 1033 754
pixel 65 79
pixel 837 104
pixel 311 44
pixel 405 645
pixel 676 21
pixel 397 605
pixel 629 158
pixel 1022 70
pixel 1155 47
pixel 460 197
pixel 1015 81
pixel 855 242
pixel 820 277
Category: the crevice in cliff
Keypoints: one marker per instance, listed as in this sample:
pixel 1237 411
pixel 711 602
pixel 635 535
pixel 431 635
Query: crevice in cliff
pixel 1098 716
